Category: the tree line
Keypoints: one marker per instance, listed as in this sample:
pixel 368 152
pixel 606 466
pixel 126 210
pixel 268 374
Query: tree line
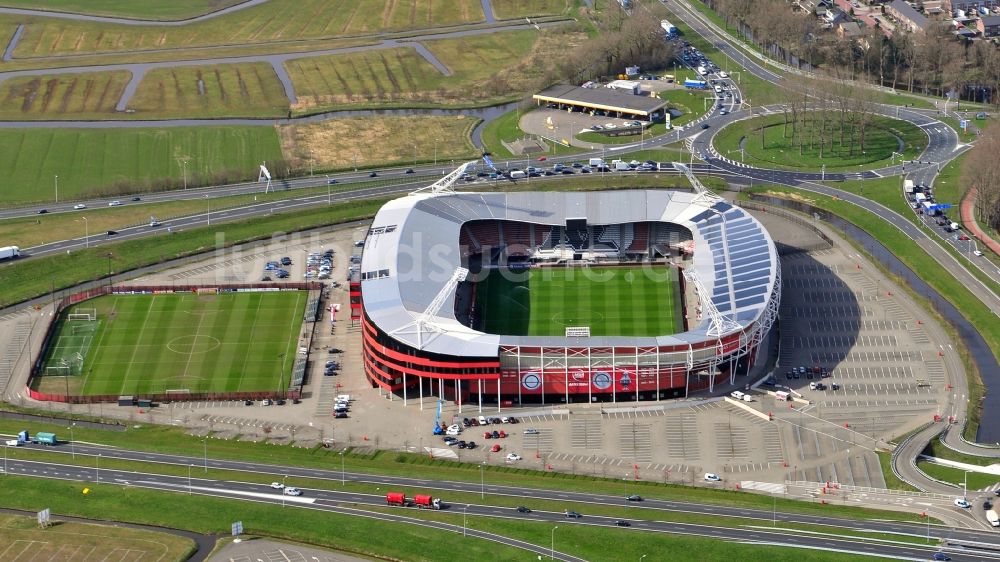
pixel 981 170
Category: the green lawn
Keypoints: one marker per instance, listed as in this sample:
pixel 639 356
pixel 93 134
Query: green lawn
pixel 611 301
pixel 976 480
pixel 91 162
pixel 138 9
pixel 145 344
pixel 781 150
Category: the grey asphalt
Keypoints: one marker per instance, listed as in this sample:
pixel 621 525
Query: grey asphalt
pixel 130 21
pixel 8 53
pixel 329 500
pixel 488 11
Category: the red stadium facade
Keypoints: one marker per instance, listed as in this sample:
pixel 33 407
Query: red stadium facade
pixel 416 345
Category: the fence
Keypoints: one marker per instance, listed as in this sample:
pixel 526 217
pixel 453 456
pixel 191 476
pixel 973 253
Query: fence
pixel 91 293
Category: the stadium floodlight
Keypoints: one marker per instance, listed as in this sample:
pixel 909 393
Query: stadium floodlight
pixel 425 321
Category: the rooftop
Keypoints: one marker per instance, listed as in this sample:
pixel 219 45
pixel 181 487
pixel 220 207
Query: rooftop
pixel 601 98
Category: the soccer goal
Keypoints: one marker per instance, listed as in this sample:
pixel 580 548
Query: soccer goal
pixel 89 314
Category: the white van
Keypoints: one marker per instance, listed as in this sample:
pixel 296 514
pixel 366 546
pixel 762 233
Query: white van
pixel 343 398
pixel 747 398
pixel 718 89
pixel 517 175
pixel 781 395
pixel 736 394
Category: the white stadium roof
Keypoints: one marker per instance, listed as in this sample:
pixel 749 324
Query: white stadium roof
pixel 412 251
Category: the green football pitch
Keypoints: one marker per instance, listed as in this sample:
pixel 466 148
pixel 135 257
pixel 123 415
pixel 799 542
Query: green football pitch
pixel 611 301
pixel 144 344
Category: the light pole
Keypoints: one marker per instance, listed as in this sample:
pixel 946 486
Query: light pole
pixel 482 481
pixel 72 440
pixel 110 255
pixel 98 468
pixel 643 557
pixel 204 443
pixel 209 216
pixel 965 485
pixel 184 173
pixel 343 478
pixel 57 188
pixel 552 544
pixel 822 176
pixel 327 189
pixel 86 232
pixel 625 480
pixel 465 522
pixel 283 476
pixel 189 479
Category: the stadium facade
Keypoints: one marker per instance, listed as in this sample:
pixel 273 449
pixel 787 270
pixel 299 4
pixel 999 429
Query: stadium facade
pixel 418 324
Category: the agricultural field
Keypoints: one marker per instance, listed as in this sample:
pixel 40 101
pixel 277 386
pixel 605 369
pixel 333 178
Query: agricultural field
pixel 376 141
pixel 22 541
pixel 145 344
pixel 109 161
pixel 484 69
pixel 611 301
pixel 58 96
pixel 277 20
pixel 504 9
pixel 225 90
pixel 136 9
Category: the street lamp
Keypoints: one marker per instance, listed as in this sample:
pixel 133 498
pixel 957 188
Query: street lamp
pixel 109 266
pixel 57 188
pixel 482 481
pixel 465 523
pixel 643 557
pixel 327 189
pixel 552 545
pixel 98 468
pixel 86 232
pixel 72 440
pixel 822 176
pixel 283 489
pixel 189 479
pixel 209 216
pixel 965 485
pixel 625 480
pixel 343 478
pixel 184 173
pixel 204 442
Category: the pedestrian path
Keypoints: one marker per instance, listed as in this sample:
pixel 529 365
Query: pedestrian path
pixel 970 224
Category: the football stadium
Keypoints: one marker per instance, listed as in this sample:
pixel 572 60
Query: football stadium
pixel 562 297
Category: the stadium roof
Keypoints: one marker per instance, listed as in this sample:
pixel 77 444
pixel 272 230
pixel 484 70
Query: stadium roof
pixel 412 250
pixel 607 99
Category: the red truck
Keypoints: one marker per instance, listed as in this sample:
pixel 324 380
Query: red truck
pixel 421 501
pixel 427 502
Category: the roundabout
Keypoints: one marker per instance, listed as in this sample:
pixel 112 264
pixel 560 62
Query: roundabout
pixel 816 139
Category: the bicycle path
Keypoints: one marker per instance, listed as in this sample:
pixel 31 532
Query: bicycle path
pixel 969 223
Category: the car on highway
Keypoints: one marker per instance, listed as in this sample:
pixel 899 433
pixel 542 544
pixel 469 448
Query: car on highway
pixel 112 232
pixel 79 206
pixel 331 181
pixel 712 477
pixel 137 198
pixel 963 237
pixel 962 502
pixel 704 126
pixel 293 491
pixel 513 457
pixel 408 171
pixel 573 514
pixel 634 498
pixel 940 556
pixel 523 509
pixel 623 523
pixel 115 203
pixel 277 485
pixel 42 211
pixel 373 175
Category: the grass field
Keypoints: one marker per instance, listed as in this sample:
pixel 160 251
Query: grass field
pixel 225 90
pixel 362 141
pixel 277 20
pixel 93 161
pixel 612 301
pixel 142 344
pixel 520 8
pixel 140 9
pixel 56 96
pixel 882 138
pixel 483 68
pixel 22 541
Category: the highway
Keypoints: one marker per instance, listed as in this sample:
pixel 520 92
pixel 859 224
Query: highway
pixel 788 522
pixel 783 529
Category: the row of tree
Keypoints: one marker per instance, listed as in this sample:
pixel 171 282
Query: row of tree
pixel 932 62
pixel 981 170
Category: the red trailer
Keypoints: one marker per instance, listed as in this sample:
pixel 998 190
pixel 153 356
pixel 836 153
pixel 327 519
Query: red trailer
pixel 396 498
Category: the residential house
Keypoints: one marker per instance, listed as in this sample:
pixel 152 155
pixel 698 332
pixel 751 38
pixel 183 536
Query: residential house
pixel 848 30
pixel 907 16
pixel 970 6
pixel 989 26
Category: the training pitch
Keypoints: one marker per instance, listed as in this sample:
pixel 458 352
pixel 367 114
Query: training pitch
pixel 611 301
pixel 148 344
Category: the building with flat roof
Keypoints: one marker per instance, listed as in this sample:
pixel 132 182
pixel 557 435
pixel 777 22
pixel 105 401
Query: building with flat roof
pixel 907 16
pixel 616 103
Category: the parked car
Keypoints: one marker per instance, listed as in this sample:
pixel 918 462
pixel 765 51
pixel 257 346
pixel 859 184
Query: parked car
pixel 712 477
pixel 513 457
pixel 531 431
